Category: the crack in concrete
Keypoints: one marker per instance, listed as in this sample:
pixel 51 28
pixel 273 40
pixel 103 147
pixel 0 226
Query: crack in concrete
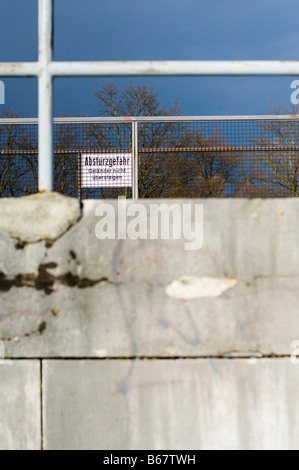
pixel 45 281
pixel 39 332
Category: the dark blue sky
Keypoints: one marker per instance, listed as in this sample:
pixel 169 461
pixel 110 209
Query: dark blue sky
pixel 157 30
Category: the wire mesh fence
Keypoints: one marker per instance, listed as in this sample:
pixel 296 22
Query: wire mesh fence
pixel 177 157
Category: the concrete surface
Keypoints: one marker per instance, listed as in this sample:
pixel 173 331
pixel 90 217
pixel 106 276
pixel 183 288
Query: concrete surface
pixel 20 405
pixel 134 337
pixel 171 405
pixel 92 298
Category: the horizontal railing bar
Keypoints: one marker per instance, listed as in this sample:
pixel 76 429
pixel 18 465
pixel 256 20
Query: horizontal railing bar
pixel 221 149
pixel 77 151
pixel 20 69
pixel 175 67
pixel 103 120
pixel 63 152
pixel 154 68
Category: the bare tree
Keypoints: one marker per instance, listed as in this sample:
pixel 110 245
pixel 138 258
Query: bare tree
pixel 203 172
pixel 162 172
pixel 66 169
pixel 17 165
pixel 175 158
pixel 274 173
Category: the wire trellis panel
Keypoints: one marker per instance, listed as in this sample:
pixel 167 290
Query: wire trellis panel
pixel 177 156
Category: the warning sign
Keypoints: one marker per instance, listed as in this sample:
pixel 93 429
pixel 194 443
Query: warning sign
pixel 106 170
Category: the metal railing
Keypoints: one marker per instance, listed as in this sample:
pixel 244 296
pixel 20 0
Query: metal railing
pixel 45 69
pixel 177 156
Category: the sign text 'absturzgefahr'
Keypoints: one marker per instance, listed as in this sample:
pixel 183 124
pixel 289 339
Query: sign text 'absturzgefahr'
pixel 106 170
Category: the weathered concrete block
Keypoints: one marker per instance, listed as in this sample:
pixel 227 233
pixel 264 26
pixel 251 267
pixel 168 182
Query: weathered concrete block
pixel 169 405
pixel 20 406
pixel 82 297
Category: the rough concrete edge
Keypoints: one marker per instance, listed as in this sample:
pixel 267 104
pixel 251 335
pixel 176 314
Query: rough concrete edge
pixel 49 240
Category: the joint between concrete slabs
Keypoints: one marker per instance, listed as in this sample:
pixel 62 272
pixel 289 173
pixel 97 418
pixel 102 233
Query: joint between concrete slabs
pixel 228 356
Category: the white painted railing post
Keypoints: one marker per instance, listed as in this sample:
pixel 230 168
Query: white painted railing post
pixel 45 100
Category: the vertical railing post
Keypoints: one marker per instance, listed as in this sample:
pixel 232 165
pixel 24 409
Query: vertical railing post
pixel 135 191
pixel 45 97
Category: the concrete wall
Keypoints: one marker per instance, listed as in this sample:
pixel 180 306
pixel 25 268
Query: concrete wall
pixel 107 349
